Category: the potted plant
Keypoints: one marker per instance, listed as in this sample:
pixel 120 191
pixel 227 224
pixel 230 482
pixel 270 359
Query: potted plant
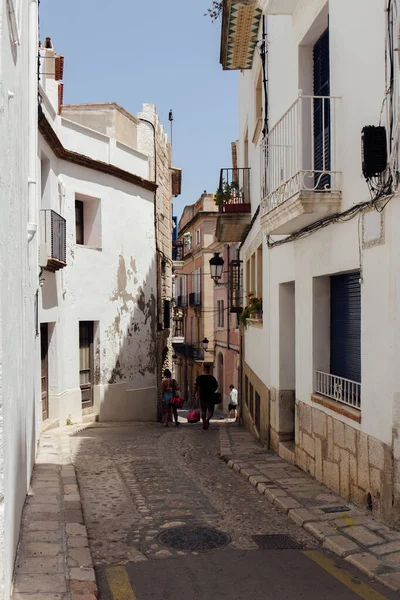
pixel 229 194
pixel 253 310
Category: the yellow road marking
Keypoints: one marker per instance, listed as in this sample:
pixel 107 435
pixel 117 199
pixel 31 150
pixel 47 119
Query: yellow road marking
pixel 361 589
pixel 119 583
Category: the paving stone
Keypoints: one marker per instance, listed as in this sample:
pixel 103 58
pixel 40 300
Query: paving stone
pixel 320 530
pixel 45 564
pixel 272 493
pixel 53 499
pixel 43 508
pixel 392 580
pixel 43 526
pixel 42 536
pixel 35 584
pixel 286 503
pixel 392 559
pixel 72 498
pixel 300 515
pixel 74 516
pixel 79 557
pixel 70 489
pixel 40 596
pixel 82 574
pixel 362 535
pixel 255 479
pixel 367 563
pixel 83 587
pixel 40 549
pixel 340 545
pixel 386 548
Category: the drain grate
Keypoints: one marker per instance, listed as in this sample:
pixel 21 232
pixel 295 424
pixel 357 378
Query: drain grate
pixel 194 539
pixel 335 509
pixel 276 542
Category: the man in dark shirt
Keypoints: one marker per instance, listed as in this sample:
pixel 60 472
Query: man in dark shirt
pixel 206 385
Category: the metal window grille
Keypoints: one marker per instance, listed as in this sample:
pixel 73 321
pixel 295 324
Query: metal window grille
pixel 339 389
pixel 235 287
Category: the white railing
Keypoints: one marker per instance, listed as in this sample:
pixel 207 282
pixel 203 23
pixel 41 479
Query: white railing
pixel 338 388
pixel 299 153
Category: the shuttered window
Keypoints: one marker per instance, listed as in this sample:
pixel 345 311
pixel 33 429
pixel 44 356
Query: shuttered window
pixel 346 326
pixel 322 116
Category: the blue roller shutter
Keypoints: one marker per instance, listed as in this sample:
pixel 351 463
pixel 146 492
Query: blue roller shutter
pixel 346 326
pixel 322 112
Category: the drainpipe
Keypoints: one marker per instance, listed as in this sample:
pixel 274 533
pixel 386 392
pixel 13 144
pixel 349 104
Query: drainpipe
pixel 228 318
pixel 32 118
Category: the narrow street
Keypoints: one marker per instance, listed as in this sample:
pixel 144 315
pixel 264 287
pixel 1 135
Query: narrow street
pixel 141 483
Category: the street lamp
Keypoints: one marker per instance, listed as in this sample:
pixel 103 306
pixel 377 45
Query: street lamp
pixel 216 267
pixel 205 343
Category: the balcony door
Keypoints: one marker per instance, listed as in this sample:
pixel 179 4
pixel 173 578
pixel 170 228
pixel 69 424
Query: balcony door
pixel 44 367
pixel 86 362
pixel 322 113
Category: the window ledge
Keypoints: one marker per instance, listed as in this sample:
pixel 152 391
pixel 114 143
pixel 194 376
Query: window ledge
pixel 337 407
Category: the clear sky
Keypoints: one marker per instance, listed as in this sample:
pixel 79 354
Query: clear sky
pixel 159 52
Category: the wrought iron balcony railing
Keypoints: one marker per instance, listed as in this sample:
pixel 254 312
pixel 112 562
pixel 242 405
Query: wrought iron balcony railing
pixel 177 250
pixel 181 301
pixel 299 154
pixel 190 351
pixel 339 389
pixel 233 194
pixel 52 248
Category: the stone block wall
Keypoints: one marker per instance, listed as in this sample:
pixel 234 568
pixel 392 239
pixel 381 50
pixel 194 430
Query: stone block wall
pixel 248 418
pixel 351 463
pixel 282 416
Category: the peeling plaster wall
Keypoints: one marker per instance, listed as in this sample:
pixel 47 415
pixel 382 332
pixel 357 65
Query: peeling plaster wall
pixel 114 286
pixel 19 361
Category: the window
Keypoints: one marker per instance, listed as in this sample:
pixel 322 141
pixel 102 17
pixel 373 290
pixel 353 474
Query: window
pixel 251 407
pixel 257 412
pixel 248 283
pixel 220 306
pixel 197 237
pixel 246 390
pixel 253 273
pixel 79 222
pixel 88 221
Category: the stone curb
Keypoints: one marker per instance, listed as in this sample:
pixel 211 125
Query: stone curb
pixel 81 575
pixel 330 537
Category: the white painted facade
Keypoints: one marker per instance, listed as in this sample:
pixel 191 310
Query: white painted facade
pixel 294 336
pixel 110 278
pixel 19 405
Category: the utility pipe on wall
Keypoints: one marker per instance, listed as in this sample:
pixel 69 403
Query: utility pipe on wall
pixel 33 48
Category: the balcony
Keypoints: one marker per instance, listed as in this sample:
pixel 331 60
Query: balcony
pixel 239 33
pixel 233 201
pixel 338 389
pixel 177 255
pixel 189 351
pixel 301 181
pixel 195 299
pixel 181 301
pixel 52 247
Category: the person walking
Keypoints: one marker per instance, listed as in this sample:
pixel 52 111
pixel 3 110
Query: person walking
pixel 169 387
pixel 205 386
pixel 233 404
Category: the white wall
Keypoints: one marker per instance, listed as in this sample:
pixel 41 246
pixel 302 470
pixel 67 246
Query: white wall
pixel 19 361
pixel 357 44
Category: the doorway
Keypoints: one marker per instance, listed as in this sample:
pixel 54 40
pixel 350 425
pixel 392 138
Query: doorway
pixel 44 369
pixel 86 361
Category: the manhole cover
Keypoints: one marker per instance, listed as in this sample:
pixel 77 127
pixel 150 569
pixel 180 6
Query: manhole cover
pixel 276 542
pixel 195 539
pixel 335 509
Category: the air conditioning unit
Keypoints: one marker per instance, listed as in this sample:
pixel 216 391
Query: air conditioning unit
pixel 374 150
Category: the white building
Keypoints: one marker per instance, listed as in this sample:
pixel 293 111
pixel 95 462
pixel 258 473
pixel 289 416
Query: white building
pixel 19 342
pixel 321 382
pixel 97 242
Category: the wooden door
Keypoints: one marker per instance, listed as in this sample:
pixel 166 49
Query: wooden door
pixel 86 362
pixel 44 366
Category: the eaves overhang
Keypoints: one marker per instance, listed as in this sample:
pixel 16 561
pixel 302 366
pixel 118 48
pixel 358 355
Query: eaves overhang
pixel 239 33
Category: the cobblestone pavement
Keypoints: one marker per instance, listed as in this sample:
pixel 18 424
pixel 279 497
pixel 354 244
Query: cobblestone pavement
pixel 348 530
pixel 136 481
